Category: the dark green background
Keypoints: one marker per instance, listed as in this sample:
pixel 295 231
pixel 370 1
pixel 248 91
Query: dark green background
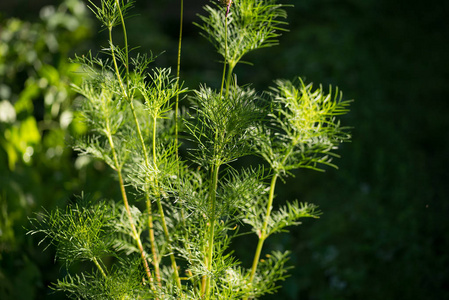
pixel 384 233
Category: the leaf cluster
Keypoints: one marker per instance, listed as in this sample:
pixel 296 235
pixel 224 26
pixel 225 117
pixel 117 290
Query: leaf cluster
pixel 303 130
pixel 251 25
pixel 109 11
pixel 222 123
pixel 80 232
pixel 254 214
pixel 272 269
pixel 121 283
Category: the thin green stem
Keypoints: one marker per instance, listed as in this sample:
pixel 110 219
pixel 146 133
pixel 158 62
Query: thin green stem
pixel 139 134
pixel 126 203
pixel 228 80
pixel 178 70
pixel 114 60
pixel 125 38
pixel 223 76
pixel 178 75
pixel 99 267
pixel 148 202
pixel 154 142
pixel 263 232
pixel 210 248
pixel 206 281
pixel 157 271
pixel 157 194
pixel 161 210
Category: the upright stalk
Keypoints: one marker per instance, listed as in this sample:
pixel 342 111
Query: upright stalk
pixel 223 76
pixel 210 243
pixel 178 70
pixel 178 75
pixel 128 211
pixel 228 79
pixel 263 232
pixel 153 240
pixel 125 91
pixel 206 281
pixel 147 163
pixel 161 210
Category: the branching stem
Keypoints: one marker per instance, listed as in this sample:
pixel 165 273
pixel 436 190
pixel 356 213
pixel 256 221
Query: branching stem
pixel 156 186
pixel 263 232
pixel 125 92
pixel 126 203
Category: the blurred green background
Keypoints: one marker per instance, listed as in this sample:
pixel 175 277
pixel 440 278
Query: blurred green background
pixel 384 233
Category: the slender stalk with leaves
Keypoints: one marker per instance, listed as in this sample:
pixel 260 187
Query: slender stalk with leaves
pixel 178 243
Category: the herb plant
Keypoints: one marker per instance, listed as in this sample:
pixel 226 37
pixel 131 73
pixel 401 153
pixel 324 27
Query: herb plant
pixel 170 235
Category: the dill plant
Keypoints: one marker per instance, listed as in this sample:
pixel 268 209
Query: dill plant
pixel 170 235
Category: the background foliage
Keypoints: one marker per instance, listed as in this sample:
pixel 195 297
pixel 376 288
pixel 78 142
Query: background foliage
pixel 384 231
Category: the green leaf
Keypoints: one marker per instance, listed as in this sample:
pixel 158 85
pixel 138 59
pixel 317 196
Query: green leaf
pixel 271 270
pixel 80 232
pixel 289 215
pixel 304 130
pixel 223 124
